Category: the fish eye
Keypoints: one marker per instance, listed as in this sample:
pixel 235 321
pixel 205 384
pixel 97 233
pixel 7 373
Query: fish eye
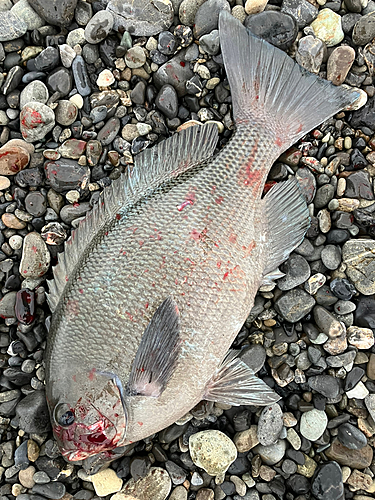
pixel 63 415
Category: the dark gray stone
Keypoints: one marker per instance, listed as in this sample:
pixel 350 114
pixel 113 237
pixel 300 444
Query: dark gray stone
pixel 351 437
pixel 81 76
pixel 33 413
pixel 297 271
pixel 302 11
pixel 294 305
pixel 56 12
pixel 207 16
pixel 327 482
pixel 276 28
pixel 326 385
pixel 167 101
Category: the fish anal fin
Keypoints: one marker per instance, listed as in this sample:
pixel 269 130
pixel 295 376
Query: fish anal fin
pixel 157 353
pixel 235 383
pixel 287 220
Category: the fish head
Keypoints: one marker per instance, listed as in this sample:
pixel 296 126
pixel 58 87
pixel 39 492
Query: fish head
pixel 92 424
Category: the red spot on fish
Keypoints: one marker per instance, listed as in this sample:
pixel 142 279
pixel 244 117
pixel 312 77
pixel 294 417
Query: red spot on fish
pixel 92 374
pixel 74 378
pixel 213 189
pixel 66 278
pixel 268 186
pixel 248 250
pixel 140 242
pixel 219 265
pixel 246 175
pixel 146 305
pixel 219 200
pixel 225 275
pixel 182 64
pixel 106 233
pixel 278 142
pixel 232 238
pixel 140 423
pixel 184 204
pixel 80 290
pixel 75 204
pixel 118 216
pixel 129 315
pixel 54 172
pixel 299 128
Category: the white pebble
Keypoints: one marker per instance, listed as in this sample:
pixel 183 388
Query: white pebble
pixel 15 241
pixel 105 78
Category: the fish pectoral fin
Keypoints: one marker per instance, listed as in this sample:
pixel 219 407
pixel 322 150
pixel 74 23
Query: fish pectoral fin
pixel 270 278
pixel 157 353
pixel 235 383
pixel 287 219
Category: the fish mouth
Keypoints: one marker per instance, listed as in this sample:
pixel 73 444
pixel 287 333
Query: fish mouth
pixel 80 441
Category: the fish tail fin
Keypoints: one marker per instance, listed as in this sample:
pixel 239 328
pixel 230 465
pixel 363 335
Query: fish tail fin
pixel 269 89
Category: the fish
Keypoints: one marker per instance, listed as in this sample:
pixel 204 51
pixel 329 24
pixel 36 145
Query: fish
pixel 155 284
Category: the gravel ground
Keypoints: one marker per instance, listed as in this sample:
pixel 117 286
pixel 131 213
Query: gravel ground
pixel 86 86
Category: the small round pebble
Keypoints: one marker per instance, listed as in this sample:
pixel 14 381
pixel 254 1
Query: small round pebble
pixel 213 451
pixel 313 424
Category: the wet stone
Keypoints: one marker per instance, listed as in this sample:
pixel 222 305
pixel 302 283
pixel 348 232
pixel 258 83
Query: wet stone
pixel 351 437
pixel 176 473
pixel 56 12
pixel 175 72
pixel 11 26
pixel 270 424
pixel 327 482
pixel 60 80
pixel 99 26
pixel 276 28
pixel 358 185
pixel 342 289
pixel 35 257
pixel 71 212
pixel 72 148
pixel 37 120
pixel 297 271
pixel 207 16
pixel 66 113
pixel 34 91
pixel 254 357
pixel 294 305
pixel 167 101
pixel 302 11
pixel 54 490
pixel 81 77
pixel 65 174
pixel 339 63
pixel 272 453
pixel 140 17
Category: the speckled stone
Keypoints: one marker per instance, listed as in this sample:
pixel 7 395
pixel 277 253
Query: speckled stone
pixel 327 27
pixel 66 112
pixel 11 26
pixel 313 424
pixel 99 26
pixel 106 482
pixel 156 484
pixel 13 159
pixel 270 424
pixel 213 451
pixel 339 63
pixel 358 459
pixel 359 256
pixel 56 12
pixel 364 29
pixel 35 91
pixel 35 256
pixel 37 120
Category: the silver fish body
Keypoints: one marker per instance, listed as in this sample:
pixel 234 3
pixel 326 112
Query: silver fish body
pixel 202 237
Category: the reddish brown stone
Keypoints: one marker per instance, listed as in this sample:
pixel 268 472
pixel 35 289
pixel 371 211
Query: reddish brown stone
pixel 356 459
pixel 13 159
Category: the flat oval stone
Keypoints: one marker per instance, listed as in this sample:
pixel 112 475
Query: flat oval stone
pixel 37 120
pixel 36 258
pixel 110 130
pixel 213 451
pixel 99 26
pixel 156 484
pixel 13 159
pixel 81 76
pixel 135 57
pixel 64 175
pixel 36 203
pixel 339 63
pixel 270 424
pixel 351 437
pixel 60 80
pixel 11 221
pixel 66 113
pixel 142 17
pixel 313 424
pixel 359 256
pixel 364 29
pixel 47 60
pixel 326 385
pixel 167 101
pixel 11 26
pixel 207 16
pixel 275 27
pixel 72 148
pixel 35 91
pixel 7 310
pixel 272 453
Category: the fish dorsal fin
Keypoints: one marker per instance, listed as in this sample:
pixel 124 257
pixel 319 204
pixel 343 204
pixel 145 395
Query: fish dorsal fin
pixel 287 219
pixel 152 168
pixel 157 353
pixel 235 383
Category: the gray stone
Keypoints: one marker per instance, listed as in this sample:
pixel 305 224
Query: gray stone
pixel 294 305
pixel 326 385
pixel 7 304
pixel 81 76
pixel 339 63
pixel 11 26
pixel 351 437
pixel 313 424
pixel 167 101
pixel 297 271
pixel 37 120
pixel 310 53
pixel 36 258
pixel 56 12
pixel 210 43
pixel 35 91
pixel 24 11
pixel 327 323
pixel 207 16
pixel 359 256
pixel 364 29
pixel 254 356
pixel 142 17
pixel 270 424
pixel 99 26
pixel 331 256
pixel 66 113
pixel 135 57
pixel 110 130
pixel 272 453
pixel 188 10
pixel 302 11
pixel 175 74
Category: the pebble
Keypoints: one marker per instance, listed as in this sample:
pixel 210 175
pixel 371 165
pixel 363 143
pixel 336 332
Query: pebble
pixel 60 80
pixel 156 484
pixel 297 271
pixel 135 57
pixel 362 338
pixel 34 91
pixel 358 255
pixel 33 414
pixel 99 26
pixel 246 440
pixel 364 29
pixel 35 256
pixel 105 78
pixel 326 385
pixel 207 16
pixel 358 392
pixel 66 174
pixel 327 27
pixel 67 55
pixel 175 72
pixel 294 305
pixel 106 482
pixel 313 424
pixel 358 459
pixel 270 424
pixel 12 222
pixel 58 13
pixel 273 453
pixel 167 101
pixel 351 437
pixel 66 112
pixel 213 451
pixel 53 490
pixel 310 53
pixel 277 28
pixel 339 63
pixel 81 77
pixel 13 158
pixel 327 482
pixel 142 17
pixel 36 120
pixel 11 26
pixel 302 11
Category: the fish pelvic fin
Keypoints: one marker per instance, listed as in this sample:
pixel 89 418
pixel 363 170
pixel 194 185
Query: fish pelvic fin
pixel 287 220
pixel 157 353
pixel 235 383
pixel 272 91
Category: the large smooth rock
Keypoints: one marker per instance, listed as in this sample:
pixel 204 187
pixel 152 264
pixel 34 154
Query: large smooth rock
pixel 56 12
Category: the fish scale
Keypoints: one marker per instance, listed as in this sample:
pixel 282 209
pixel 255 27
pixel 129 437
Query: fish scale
pixel 154 287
